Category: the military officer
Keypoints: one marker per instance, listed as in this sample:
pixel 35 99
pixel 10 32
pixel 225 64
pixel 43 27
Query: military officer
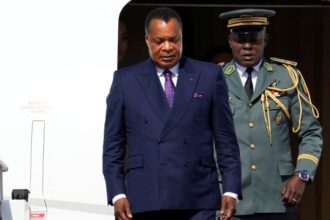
pixel 269 98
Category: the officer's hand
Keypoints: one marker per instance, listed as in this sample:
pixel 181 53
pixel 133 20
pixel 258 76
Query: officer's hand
pixel 293 190
pixel 122 209
pixel 228 208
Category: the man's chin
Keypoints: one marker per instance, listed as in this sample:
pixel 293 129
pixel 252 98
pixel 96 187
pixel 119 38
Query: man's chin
pixel 167 64
pixel 248 63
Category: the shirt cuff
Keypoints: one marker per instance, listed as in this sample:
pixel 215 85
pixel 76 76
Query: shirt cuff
pixel 117 197
pixel 233 195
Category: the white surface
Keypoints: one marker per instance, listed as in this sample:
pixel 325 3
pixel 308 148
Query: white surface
pixel 56 64
pixel 15 210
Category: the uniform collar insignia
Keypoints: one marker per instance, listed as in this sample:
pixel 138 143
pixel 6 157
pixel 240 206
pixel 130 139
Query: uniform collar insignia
pixel 268 67
pixel 229 69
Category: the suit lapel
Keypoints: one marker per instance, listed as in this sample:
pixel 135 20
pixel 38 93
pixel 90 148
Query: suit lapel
pixel 187 81
pixel 234 82
pixel 153 90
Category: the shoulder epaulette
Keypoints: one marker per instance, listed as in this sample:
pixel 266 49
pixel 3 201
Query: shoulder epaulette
pixel 229 69
pixel 279 60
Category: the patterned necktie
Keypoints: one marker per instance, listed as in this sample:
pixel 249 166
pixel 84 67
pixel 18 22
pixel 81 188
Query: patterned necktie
pixel 169 87
pixel 248 84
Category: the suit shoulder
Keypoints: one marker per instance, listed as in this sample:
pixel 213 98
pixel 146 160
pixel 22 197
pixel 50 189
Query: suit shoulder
pixel 202 65
pixel 199 62
pixel 133 68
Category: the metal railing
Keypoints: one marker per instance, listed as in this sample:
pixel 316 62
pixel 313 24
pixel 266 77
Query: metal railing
pixel 3 168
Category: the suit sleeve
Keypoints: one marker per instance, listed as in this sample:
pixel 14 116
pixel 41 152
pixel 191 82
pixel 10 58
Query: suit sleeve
pixel 310 133
pixel 114 140
pixel 226 145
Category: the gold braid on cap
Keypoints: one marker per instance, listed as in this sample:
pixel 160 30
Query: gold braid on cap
pixel 247 21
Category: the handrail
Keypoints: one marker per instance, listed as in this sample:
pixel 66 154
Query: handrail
pixel 3 166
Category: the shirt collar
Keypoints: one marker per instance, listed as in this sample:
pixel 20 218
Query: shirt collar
pixel 174 70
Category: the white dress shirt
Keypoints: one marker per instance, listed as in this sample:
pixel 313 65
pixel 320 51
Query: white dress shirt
pixel 244 75
pixel 174 75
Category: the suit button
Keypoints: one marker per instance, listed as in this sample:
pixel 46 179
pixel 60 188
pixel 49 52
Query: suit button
pixel 251 125
pixel 185 141
pixel 146 120
pixel 250 104
pixel 252 146
pixel 254 167
pixel 160 141
pixel 186 164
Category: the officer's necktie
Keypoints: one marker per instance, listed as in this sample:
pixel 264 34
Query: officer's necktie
pixel 169 87
pixel 248 84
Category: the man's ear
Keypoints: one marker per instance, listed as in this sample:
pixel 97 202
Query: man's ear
pixel 146 39
pixel 229 40
pixel 266 38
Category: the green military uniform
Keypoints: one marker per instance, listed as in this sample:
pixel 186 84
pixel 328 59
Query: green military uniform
pixel 280 103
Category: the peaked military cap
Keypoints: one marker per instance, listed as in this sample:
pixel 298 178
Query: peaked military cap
pixel 250 19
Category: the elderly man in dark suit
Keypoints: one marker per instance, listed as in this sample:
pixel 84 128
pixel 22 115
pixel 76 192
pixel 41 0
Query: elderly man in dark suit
pixel 167 114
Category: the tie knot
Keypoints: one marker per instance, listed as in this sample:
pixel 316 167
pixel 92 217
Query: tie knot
pixel 167 73
pixel 249 70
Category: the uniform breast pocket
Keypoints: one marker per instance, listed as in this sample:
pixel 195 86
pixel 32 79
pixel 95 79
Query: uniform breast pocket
pixel 279 111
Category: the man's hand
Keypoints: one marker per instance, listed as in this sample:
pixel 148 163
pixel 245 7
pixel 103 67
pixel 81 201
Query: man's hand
pixel 122 209
pixel 293 190
pixel 228 208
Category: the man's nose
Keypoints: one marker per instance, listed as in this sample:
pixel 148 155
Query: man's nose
pixel 247 46
pixel 167 45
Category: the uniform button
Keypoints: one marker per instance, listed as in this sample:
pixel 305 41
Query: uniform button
pixel 251 125
pixel 254 167
pixel 160 141
pixel 250 105
pixel 146 120
pixel 253 146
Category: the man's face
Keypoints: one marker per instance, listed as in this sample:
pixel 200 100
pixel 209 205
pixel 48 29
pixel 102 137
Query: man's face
pixel 164 42
pixel 248 48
